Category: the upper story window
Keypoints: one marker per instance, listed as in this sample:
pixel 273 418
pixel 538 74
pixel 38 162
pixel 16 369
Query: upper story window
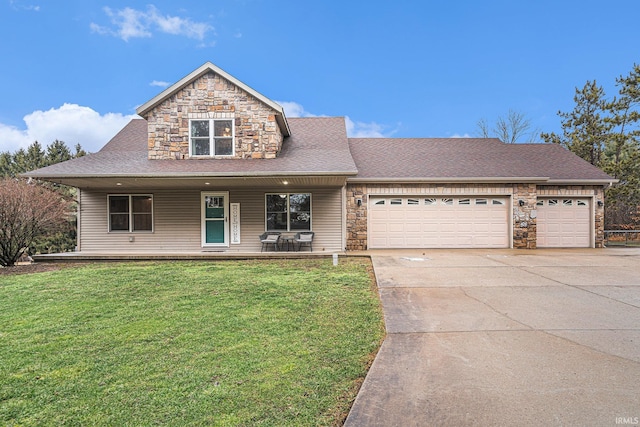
pixel 211 137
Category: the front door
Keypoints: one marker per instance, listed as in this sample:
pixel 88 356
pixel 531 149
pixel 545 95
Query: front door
pixel 215 219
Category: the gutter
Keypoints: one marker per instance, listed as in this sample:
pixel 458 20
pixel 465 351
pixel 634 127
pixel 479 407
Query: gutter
pixel 445 180
pixel 484 180
pixel 179 175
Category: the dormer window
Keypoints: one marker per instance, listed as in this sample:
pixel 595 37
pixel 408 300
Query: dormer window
pixel 211 137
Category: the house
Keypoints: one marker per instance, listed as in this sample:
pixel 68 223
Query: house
pixel 212 164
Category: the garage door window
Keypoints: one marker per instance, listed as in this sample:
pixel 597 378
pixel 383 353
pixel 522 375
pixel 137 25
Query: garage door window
pixel 430 202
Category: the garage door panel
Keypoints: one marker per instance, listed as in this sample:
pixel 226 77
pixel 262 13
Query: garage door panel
pixel 395 215
pixel 378 215
pixel 378 228
pixel 413 214
pixel 464 227
pixel 395 227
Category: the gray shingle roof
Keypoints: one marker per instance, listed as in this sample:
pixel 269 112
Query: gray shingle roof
pixel 319 146
pixel 460 158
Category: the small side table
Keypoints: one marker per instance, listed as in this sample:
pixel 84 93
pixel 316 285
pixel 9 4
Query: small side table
pixel 287 243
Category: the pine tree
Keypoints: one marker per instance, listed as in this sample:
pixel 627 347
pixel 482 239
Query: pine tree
pixel 623 150
pixel 584 130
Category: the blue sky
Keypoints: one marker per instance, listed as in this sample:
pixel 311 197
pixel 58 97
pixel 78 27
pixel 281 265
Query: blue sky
pixel 76 70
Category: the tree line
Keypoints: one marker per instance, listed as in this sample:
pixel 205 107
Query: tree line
pixel 35 157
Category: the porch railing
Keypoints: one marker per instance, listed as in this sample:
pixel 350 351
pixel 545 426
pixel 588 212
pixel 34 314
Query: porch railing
pixel 622 237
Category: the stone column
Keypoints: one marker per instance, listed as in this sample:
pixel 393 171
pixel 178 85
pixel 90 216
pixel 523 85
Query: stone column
pixel 524 216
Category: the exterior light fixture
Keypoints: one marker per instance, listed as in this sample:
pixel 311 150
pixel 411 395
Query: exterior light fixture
pixel 207 183
pixel 521 202
pixel 285 182
pixel 600 203
pixel 118 184
pixel 359 202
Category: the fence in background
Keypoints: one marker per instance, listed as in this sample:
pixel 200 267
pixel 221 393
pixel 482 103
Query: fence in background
pixel 622 237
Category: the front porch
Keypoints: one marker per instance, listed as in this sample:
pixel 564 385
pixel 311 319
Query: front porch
pixel 73 257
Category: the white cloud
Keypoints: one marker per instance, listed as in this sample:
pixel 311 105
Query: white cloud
pixel 293 109
pixel 457 135
pixel 71 123
pixel 17 5
pixel 130 23
pixel 159 83
pixel 365 130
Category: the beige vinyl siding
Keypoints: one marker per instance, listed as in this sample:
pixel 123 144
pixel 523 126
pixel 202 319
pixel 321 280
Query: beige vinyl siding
pixel 177 222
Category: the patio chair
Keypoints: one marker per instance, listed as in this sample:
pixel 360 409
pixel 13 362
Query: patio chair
pixel 269 238
pixel 304 238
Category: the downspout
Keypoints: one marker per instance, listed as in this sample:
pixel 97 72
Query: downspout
pixel 78 222
pixel 343 219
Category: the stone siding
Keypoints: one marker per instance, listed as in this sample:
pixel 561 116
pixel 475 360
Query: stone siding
pixel 257 134
pixel 524 227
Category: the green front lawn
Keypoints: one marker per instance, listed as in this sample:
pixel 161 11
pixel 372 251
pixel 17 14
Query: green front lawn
pixel 187 343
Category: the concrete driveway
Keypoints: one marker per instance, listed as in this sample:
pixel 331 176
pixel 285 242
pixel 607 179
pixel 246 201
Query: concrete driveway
pixel 506 337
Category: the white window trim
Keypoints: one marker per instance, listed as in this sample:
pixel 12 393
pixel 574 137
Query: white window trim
pixel 130 195
pixel 288 230
pixel 212 139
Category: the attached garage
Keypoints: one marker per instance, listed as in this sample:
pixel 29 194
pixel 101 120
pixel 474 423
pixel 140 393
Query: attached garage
pixel 438 222
pixel 564 222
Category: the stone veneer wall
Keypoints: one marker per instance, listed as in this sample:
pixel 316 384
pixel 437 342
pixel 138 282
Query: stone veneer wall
pixel 524 221
pixel 257 134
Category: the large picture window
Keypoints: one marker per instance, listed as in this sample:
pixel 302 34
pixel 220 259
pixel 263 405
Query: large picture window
pixel 130 212
pixel 288 212
pixel 211 137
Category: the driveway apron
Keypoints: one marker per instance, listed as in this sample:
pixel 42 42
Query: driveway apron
pixel 505 337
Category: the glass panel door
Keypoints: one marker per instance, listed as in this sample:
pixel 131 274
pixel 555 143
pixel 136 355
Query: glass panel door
pixel 215 214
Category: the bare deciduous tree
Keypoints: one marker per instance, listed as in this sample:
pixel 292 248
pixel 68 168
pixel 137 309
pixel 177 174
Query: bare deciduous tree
pixel 508 129
pixel 27 211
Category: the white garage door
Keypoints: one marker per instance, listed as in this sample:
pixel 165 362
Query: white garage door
pixel 438 222
pixel 564 223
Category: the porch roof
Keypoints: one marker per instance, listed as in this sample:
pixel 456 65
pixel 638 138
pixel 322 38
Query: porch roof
pixel 316 153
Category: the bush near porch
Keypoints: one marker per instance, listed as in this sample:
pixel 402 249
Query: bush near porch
pixel 187 343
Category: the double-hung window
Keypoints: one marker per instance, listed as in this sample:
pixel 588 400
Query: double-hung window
pixel 288 212
pixel 211 137
pixel 130 212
